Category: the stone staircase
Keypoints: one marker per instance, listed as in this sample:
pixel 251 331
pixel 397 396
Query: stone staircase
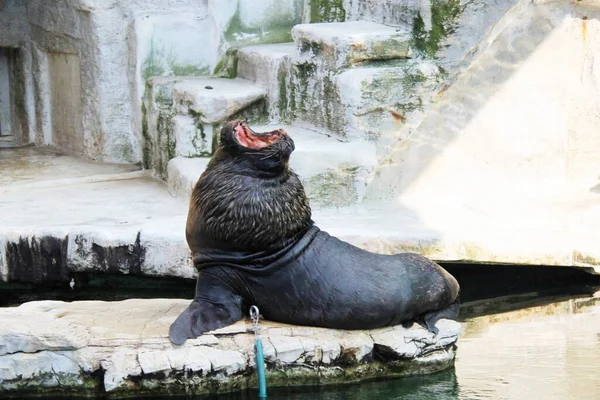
pixel 334 89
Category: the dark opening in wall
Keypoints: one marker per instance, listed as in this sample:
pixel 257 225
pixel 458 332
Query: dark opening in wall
pixel 5 106
pixel 13 89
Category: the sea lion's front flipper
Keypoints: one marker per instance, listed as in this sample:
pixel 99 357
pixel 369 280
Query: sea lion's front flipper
pixel 214 306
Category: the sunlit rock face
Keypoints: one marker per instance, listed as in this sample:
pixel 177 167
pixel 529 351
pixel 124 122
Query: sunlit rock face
pixel 62 347
pixel 505 162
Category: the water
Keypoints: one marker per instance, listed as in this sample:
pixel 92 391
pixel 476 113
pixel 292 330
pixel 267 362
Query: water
pixel 527 334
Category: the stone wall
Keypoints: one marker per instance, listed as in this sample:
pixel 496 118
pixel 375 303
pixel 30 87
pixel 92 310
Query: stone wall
pixel 114 46
pixel 117 45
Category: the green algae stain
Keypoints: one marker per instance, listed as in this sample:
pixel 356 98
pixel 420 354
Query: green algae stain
pixel 333 119
pixel 304 73
pixel 125 150
pixel 163 97
pixel 444 15
pixel 282 104
pixel 327 11
pixel 152 65
pixel 276 28
pixel 334 187
pixel 314 97
pixel 165 140
pixel 189 69
pixel 146 140
pixel 377 91
pixel 204 147
pixel 158 63
pixel 227 66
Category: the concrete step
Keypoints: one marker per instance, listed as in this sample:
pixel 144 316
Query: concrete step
pixel 183 115
pixel 334 173
pixel 360 103
pixel 379 100
pixel 269 65
pixel 214 100
pixel 183 175
pixel 328 78
pixel 341 45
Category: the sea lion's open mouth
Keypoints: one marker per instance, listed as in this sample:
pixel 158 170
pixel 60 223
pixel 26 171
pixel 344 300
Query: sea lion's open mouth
pixel 255 140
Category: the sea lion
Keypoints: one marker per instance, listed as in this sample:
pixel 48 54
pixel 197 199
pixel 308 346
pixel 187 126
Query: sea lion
pixel 253 241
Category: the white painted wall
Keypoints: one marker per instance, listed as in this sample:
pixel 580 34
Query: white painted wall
pixel 168 42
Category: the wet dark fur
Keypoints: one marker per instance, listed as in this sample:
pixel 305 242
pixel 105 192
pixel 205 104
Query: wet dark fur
pixel 252 238
pixel 247 199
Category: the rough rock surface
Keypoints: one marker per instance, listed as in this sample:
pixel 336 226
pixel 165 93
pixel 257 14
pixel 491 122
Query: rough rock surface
pixel 63 347
pixel 344 44
pixel 373 106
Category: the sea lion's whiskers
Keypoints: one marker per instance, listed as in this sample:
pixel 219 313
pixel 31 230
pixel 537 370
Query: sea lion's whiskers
pixel 269 155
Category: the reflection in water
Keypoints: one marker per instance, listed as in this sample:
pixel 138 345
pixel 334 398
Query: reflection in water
pixel 549 352
pixel 442 386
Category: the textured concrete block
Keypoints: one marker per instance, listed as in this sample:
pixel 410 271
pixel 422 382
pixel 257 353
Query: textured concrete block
pixel 343 44
pixel 215 99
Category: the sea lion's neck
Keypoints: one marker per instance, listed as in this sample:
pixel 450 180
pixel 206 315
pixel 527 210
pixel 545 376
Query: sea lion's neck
pixel 237 207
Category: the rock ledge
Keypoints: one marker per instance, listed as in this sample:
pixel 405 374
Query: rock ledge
pixel 115 349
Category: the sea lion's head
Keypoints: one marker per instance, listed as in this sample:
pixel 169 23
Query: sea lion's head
pixel 263 151
pixel 248 198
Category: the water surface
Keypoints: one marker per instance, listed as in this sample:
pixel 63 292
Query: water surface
pixel 547 352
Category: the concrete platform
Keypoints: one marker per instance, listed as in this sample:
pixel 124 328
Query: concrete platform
pixel 114 221
pixel 37 164
pixel 63 347
pixel 62 215
pixel 555 232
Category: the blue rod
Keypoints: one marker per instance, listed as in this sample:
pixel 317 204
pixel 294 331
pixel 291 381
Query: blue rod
pixel 260 369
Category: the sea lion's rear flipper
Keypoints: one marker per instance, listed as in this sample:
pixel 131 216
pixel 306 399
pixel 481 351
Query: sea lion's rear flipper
pixel 215 306
pixel 431 318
